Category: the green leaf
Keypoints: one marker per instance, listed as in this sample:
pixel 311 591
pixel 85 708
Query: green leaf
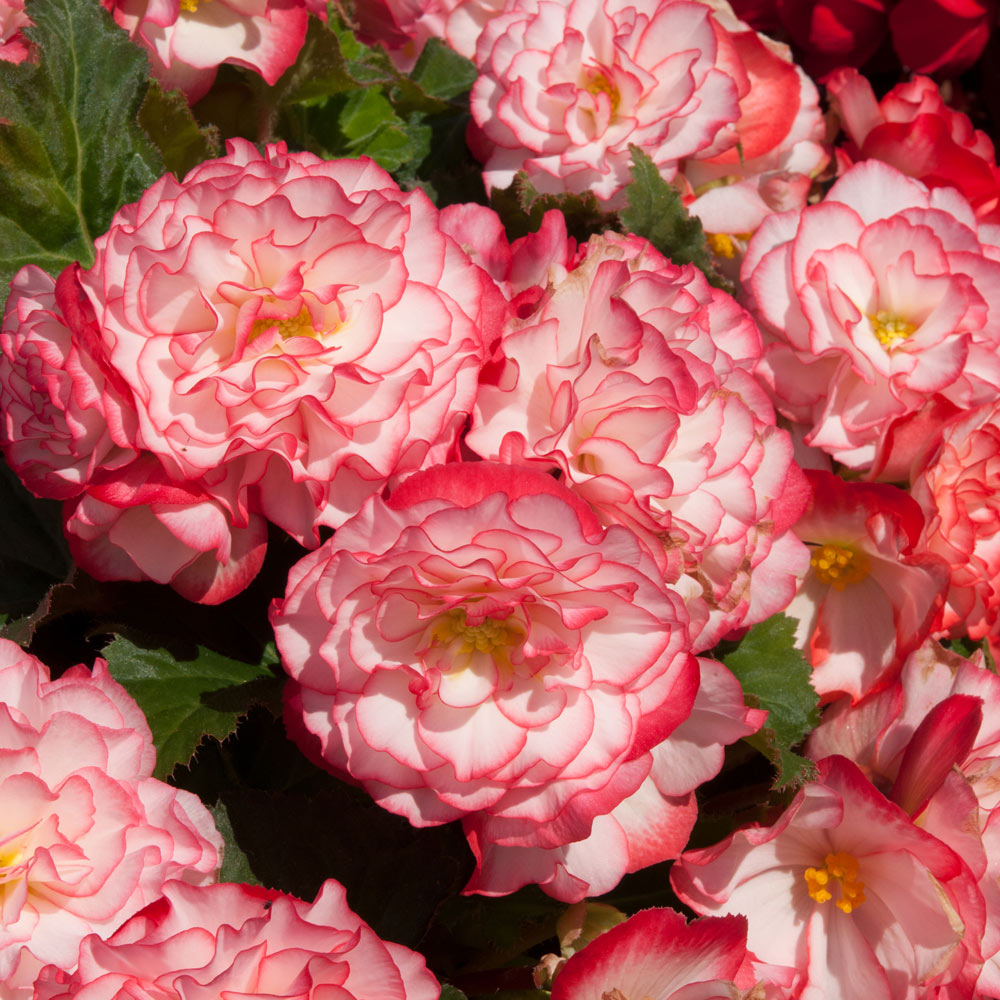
pixel 442 72
pixel 373 129
pixel 521 208
pixel 655 211
pixel 71 153
pixel 776 676
pixel 168 121
pixel 186 700
pixel 235 866
pixel 449 992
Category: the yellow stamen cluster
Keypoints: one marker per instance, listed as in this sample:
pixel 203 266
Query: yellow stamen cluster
pixel 599 83
pixel 190 5
pixel 294 326
pixel 890 327
pixel 843 868
pixel 723 245
pixel 839 565
pixel 486 637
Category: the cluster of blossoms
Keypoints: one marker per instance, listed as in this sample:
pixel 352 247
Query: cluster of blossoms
pixel 557 475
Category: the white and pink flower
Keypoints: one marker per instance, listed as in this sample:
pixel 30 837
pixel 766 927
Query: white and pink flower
pixel 240 940
pixel 872 302
pixel 299 328
pixel 870 596
pixel 187 40
pixel 87 835
pixel 478 647
pixel 631 376
pixel 846 889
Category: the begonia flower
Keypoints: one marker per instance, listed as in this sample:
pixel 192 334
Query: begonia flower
pixel 478 647
pixel 295 330
pixel 843 887
pixel 14 46
pixel 872 302
pixel 631 377
pixel 87 835
pixel 656 953
pixel 913 129
pixel 65 413
pixel 869 597
pixel 565 88
pixel 241 940
pixel 958 491
pixel 187 40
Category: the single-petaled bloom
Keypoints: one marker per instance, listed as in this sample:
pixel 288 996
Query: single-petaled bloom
pixel 187 40
pixel 914 130
pixel 958 491
pixel 843 887
pixel 292 332
pixel 870 596
pixel 240 940
pixel 479 647
pixel 630 375
pixel 565 88
pixel 87 835
pixel 872 302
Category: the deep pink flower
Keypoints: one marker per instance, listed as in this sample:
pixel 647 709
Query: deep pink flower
pixel 656 953
pixel 873 301
pixel 631 376
pixel 187 40
pixel 480 647
pixel 240 940
pixel 843 887
pixel 941 36
pixel 291 331
pixel 87 835
pixel 14 46
pixel 870 597
pixel 565 88
pixel 912 129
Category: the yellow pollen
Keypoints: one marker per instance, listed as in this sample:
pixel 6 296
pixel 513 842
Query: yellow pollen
pixel 890 328
pixel 600 84
pixel 295 326
pixel 722 245
pixel 839 565
pixel 486 637
pixel 843 868
pixel 191 5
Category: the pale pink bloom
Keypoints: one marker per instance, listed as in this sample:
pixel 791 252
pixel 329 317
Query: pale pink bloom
pixel 240 940
pixel 656 953
pixel 566 87
pixel 14 46
pixel 479 646
pixel 651 825
pixel 870 596
pixel 914 130
pixel 959 491
pixel 632 377
pixel 87 835
pixel 137 524
pixel 187 40
pixel 298 328
pixel 843 887
pixel 64 415
pixel 871 302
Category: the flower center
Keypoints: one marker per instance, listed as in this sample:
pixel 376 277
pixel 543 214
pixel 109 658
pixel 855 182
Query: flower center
pixel 190 5
pixel 839 565
pixel 599 83
pixel 724 245
pixel 488 636
pixel 295 326
pixel 843 868
pixel 890 327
